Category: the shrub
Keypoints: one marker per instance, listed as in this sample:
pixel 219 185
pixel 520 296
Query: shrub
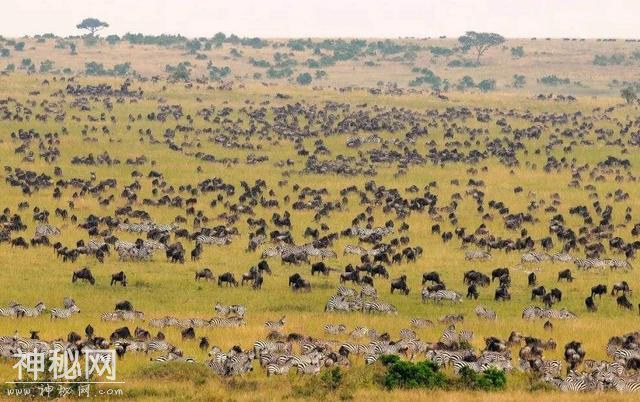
pixel 491 380
pixel 10 68
pixel 4 52
pixel 19 46
pixel 438 51
pixel 427 77
pixel 179 72
pixel 462 63
pixel 466 82
pixel 487 85
pixel 304 79
pixel 404 374
pixel 517 52
pixel 602 60
pixel 321 74
pixel 46 66
pixel 553 80
pixel 217 73
pixel 112 39
pixel 519 80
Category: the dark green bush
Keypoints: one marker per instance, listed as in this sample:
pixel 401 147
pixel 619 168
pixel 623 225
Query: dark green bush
pixel 491 380
pixel 404 374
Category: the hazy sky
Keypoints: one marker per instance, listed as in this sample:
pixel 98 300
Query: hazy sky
pixel 328 18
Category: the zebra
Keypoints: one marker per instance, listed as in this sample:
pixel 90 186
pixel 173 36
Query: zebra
pixel 466 336
pixel 64 313
pixel 421 323
pixel 237 310
pixel 561 257
pixel 626 384
pixel 334 329
pixel 11 311
pixel 446 357
pixel 350 249
pixel 304 368
pixel 29 345
pixel 450 336
pixel 68 302
pixel 337 303
pixel 440 295
pixel 359 332
pixel 406 333
pixel 485 313
pixel 590 263
pixel 276 325
pixel 477 255
pixel 617 264
pixel 368 291
pixel 219 241
pixel 277 369
pixel 577 383
pixel 353 348
pixel 626 354
pixel 534 257
pixel 232 322
pixel 46 230
pixel 218 368
pixel 159 346
pixel 379 307
pixel 531 312
pixel 345 291
pixel 271 346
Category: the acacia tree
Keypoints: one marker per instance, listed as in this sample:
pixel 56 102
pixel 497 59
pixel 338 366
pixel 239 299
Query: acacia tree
pixel 628 94
pixel 480 42
pixel 92 25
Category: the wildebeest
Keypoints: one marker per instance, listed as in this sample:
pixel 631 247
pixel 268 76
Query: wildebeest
pixel 400 284
pixel 124 305
pixel 599 290
pixel 591 306
pixel 205 273
pixel 472 292
pixel 502 293
pixel 431 276
pixel 294 278
pixel 83 274
pixel 623 302
pixel 531 279
pixel 227 278
pixel 620 287
pixel 353 276
pixel 540 291
pixel 566 275
pixel 119 277
pixel 188 333
pixel 120 333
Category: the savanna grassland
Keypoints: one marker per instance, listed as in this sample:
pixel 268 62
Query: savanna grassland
pixel 577 136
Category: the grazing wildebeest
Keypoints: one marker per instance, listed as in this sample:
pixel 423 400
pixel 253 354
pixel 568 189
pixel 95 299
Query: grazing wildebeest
pixel 379 270
pixel 205 273
pixel 540 291
pixel 301 285
pixel 566 275
pixel 502 293
pixel 599 290
pixel 532 280
pixel 431 276
pixel 257 282
pixel 400 284
pixel 591 305
pixel 124 305
pixel 204 344
pixel 620 287
pixel 353 276
pixel 119 277
pixel 498 273
pixel 319 267
pixel 294 278
pixel 120 333
pixel 196 252
pixel 228 279
pixel 623 302
pixel 472 292
pixel 263 266
pixel 367 280
pixel 84 274
pixel 188 333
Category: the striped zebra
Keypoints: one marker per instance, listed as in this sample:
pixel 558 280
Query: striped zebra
pixel 485 313
pixel 466 336
pixel 46 230
pixel 347 349
pixel 10 311
pixel 218 368
pixel 345 291
pixel 421 323
pixel 451 318
pixel 22 311
pixel 561 257
pixel 408 334
pixel 277 369
pixel 218 241
pixel 588 264
pixel 337 303
pixel 440 295
pixel 276 325
pixel 577 383
pixel 232 322
pixel 304 368
pixel 626 354
pixel 534 257
pixel 359 332
pixel 265 346
pixel 619 264
pixel 368 291
pixel 477 256
pixel 68 302
pixel 160 346
pixel 122 315
pixel 450 336
pixel 357 250
pixel 169 357
pixel 335 329
pixel 445 357
pixel 624 385
pixel 64 313
pixel 237 310
pixel 379 307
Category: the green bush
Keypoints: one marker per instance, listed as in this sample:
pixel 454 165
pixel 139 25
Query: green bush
pixel 491 380
pixel 602 60
pixel 517 52
pixel 404 374
pixel 487 85
pixel 4 52
pixel 426 77
pixel 553 80
pixel 304 79
pixel 19 46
